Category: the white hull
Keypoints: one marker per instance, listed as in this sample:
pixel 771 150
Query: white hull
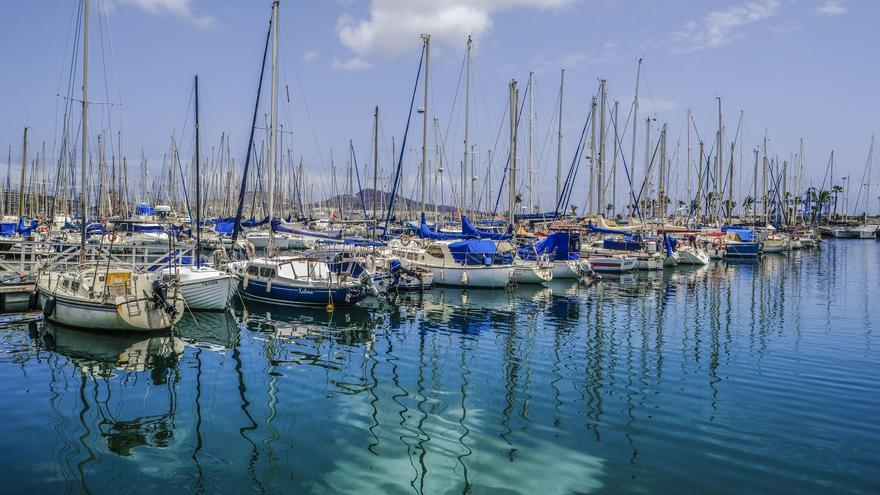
pixel 74 313
pixel 571 269
pixel 691 256
pixel 210 295
pixel 532 273
pixel 493 277
pixel 609 264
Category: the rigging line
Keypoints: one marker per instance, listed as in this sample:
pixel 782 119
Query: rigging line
pixel 403 144
pixel 515 130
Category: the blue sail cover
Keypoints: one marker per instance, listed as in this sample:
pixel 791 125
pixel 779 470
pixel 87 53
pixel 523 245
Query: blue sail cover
pixel 556 245
pixel 745 235
pixel 224 226
pixel 600 230
pixel 627 244
pixel 8 228
pixel 279 226
pixel 252 222
pixel 469 231
pixel 473 252
pixel 144 209
pixel 426 233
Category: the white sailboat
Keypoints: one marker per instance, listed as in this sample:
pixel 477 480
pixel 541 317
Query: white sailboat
pixel 103 295
pixel 203 287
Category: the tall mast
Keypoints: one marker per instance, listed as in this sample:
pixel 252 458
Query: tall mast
pixel 559 138
pixel 198 182
pixel 273 116
pixel 375 159
pixel 632 156
pixel 719 162
pixel 614 162
pixel 600 175
pixel 514 98
pixel 529 163
pixel 764 209
pixel 24 160
pixel 688 172
pixel 422 173
pixel 647 180
pixel 755 186
pixel 661 182
pixel 868 182
pixel 85 125
pixel 592 179
pixel 467 121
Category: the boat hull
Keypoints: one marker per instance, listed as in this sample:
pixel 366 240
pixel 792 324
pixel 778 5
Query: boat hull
pixel 78 313
pixel 277 293
pixel 209 295
pixel 479 277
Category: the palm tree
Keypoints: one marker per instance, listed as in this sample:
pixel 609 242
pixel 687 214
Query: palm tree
pixel 748 204
pixel 823 199
pixel 836 190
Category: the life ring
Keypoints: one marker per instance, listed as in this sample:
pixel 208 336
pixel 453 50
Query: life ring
pixel 42 229
pixel 64 237
pixel 405 240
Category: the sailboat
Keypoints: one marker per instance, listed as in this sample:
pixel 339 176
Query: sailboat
pixel 103 295
pixel 203 287
pixel 287 279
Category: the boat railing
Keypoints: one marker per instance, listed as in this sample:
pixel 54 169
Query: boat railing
pixel 23 258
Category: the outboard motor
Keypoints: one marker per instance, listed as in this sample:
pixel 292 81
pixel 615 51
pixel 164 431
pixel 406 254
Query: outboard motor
pixel 160 298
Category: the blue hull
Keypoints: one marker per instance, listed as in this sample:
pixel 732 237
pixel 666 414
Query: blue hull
pixel 744 250
pixel 283 294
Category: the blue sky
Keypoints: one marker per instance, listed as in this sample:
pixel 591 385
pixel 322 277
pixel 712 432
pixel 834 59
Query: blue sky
pixel 797 68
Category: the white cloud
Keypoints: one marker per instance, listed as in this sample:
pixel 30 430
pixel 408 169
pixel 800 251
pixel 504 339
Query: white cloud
pixel 182 9
pixel 722 26
pixel 394 26
pixel 353 63
pixel 832 7
pixel 311 56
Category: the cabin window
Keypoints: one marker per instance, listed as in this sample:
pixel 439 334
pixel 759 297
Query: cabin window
pixel 75 287
pixel 253 270
pixel 435 251
pixel 66 284
pixel 267 272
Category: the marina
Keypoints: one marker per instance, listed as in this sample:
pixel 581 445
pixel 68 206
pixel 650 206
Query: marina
pixel 750 369
pixel 500 285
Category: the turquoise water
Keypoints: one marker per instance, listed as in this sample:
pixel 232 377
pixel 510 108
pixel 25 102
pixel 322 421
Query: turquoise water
pixel 747 377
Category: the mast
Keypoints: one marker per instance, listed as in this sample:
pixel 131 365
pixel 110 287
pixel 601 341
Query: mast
pixel 661 182
pixel 764 210
pixel 198 182
pixel 697 198
pixel 719 162
pixel 755 186
pixel 592 181
pixel 559 138
pixel 531 137
pixel 600 175
pixel 614 162
pixel 273 117
pixel 647 180
pixel 422 177
pixel 85 125
pixel 688 171
pixel 514 98
pixel 632 156
pixel 467 121
pixel 24 159
pixel 375 160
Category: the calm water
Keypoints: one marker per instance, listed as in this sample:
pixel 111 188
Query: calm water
pixel 748 377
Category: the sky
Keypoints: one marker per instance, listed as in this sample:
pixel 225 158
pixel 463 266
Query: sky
pixel 796 69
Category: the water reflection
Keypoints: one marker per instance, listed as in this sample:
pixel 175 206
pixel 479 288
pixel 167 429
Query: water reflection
pixel 735 367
